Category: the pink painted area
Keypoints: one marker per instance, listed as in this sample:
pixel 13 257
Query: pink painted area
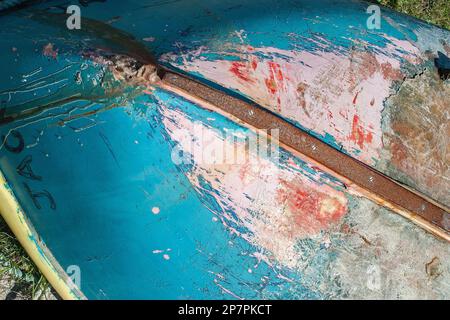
pixel 276 204
pixel 322 91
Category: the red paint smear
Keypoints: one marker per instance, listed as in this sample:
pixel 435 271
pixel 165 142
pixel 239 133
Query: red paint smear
pixel 241 70
pixel 358 135
pixel 275 75
pixel 276 70
pixel 254 64
pixel 312 210
pixel 271 85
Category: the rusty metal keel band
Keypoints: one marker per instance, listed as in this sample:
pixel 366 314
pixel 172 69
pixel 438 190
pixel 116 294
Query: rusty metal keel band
pixel 355 174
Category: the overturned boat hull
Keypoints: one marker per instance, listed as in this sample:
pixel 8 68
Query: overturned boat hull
pixel 119 186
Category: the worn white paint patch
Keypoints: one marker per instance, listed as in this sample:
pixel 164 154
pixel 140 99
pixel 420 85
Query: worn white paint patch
pixel 156 210
pixel 376 239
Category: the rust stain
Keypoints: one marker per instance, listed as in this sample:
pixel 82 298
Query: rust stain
pixel 433 268
pixel 389 72
pixel 301 89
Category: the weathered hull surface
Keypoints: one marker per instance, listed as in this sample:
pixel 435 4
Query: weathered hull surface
pixel 90 160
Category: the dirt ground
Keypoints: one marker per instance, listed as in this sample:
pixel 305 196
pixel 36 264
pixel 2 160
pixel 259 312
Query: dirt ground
pixel 19 277
pixel 9 290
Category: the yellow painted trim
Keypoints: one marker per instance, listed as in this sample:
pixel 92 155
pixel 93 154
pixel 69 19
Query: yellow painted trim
pixel 36 249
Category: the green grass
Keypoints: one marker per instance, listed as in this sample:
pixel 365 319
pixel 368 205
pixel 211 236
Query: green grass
pixel 432 11
pixel 15 265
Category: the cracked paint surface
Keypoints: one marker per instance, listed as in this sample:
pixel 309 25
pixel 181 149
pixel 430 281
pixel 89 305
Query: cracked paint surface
pixel 95 151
